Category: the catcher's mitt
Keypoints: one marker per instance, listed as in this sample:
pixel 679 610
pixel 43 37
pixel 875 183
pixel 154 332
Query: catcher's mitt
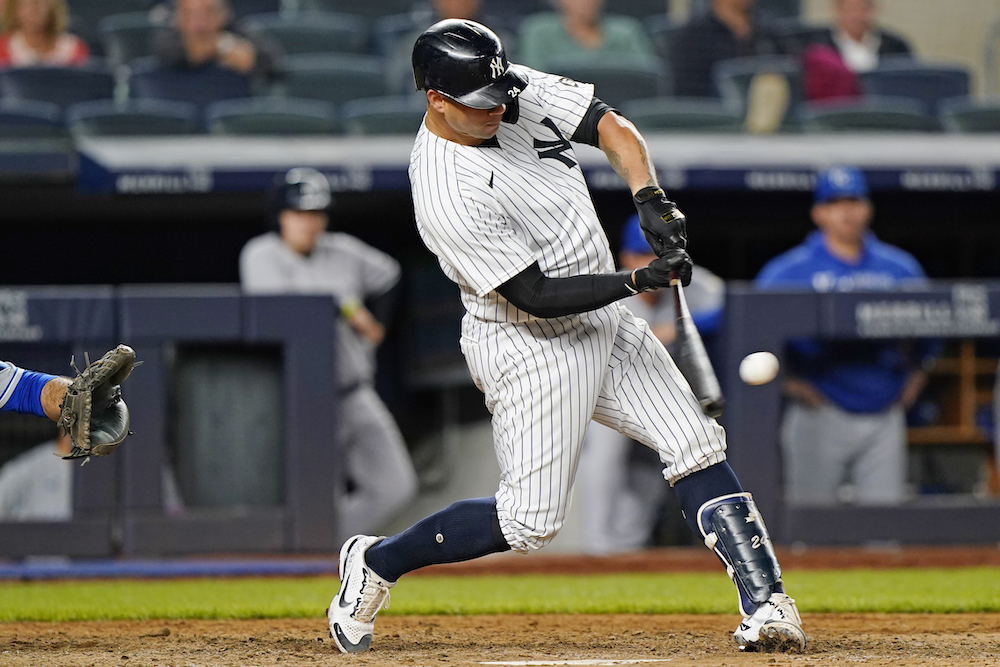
pixel 93 412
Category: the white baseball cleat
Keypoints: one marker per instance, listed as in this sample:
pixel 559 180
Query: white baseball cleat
pixel 775 626
pixel 362 595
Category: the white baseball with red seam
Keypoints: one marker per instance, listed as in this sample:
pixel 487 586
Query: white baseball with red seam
pixel 759 368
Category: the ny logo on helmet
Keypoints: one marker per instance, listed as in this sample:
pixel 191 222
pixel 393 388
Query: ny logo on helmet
pixel 496 67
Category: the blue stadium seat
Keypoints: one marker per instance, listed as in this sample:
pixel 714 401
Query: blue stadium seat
pixel 368 9
pixel 926 83
pixel 271 116
pixel 312 31
pixel 336 78
pixel 397 114
pixel 147 80
pixel 616 80
pixel 59 85
pixel 127 37
pixel 733 79
pixel 679 114
pixel 133 118
pixel 86 16
pixel 962 114
pixel 26 119
pixel 870 114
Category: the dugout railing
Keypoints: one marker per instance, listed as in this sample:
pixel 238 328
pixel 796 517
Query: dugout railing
pixel 117 500
pixel 765 321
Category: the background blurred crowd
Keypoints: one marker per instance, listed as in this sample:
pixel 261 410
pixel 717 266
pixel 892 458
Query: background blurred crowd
pixel 326 66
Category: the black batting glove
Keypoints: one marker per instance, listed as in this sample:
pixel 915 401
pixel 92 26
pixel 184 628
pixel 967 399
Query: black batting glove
pixel 663 225
pixel 675 264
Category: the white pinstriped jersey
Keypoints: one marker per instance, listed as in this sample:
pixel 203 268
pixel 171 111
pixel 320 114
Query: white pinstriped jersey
pixel 490 211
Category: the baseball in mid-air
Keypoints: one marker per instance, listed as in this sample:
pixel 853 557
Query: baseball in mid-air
pixel 759 368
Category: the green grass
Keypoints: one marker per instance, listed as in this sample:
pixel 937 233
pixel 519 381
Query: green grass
pixel 905 590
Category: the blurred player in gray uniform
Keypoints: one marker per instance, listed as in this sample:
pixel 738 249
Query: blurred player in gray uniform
pixel 304 258
pixel 500 198
pixel 621 493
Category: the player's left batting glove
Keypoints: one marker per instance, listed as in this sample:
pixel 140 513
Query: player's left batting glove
pixel 93 412
pixel 675 264
pixel 662 223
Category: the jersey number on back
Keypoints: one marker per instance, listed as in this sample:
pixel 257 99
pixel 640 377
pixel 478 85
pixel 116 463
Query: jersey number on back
pixel 554 149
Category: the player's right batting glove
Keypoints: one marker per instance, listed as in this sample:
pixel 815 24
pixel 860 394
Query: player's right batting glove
pixel 663 225
pixel 675 264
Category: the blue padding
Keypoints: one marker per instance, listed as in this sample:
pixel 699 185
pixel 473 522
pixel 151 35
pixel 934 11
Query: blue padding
pixel 154 569
pixel 27 396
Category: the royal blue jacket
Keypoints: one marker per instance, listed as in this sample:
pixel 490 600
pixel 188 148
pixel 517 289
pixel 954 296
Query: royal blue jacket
pixel 857 375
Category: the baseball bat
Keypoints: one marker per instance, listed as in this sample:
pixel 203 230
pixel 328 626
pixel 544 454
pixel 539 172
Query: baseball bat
pixel 693 361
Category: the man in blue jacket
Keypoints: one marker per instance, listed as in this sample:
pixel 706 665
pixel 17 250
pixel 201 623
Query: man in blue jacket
pixel 844 430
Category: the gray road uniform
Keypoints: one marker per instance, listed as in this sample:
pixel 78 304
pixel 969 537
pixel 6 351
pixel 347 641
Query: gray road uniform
pixel 378 462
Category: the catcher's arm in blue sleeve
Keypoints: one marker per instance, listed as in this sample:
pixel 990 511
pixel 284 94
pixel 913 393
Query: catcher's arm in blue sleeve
pixel 31 392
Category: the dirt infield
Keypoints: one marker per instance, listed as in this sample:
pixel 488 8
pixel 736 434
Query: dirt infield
pixel 867 639
pixel 875 640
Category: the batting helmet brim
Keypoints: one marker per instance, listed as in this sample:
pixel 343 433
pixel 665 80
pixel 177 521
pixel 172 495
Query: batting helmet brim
pixel 502 91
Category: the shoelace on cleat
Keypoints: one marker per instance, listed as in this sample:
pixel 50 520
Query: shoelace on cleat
pixel 374 598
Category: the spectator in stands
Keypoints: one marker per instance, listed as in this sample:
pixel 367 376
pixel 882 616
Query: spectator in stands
pixel 37 485
pixel 202 37
pixel 858 40
pixel 844 429
pixel 302 257
pixel 34 33
pixel 580 29
pixel 726 31
pixel 620 481
pixel 830 65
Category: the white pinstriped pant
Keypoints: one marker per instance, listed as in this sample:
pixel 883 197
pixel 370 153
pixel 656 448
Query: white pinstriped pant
pixel 544 380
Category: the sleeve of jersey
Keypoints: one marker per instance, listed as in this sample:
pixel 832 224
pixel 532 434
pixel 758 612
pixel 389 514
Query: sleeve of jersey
pixel 10 376
pixel 380 271
pixel 564 100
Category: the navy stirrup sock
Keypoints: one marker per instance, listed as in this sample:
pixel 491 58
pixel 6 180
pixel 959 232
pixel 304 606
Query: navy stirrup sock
pixel 465 530
pixel 699 487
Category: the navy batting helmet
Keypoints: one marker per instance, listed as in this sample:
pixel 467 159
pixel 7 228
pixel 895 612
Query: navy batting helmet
pixel 303 189
pixel 465 61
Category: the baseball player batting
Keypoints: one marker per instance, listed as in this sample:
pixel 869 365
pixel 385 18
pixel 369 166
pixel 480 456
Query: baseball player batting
pixel 500 199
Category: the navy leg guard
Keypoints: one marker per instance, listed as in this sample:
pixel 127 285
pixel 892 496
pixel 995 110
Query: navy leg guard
pixel 733 528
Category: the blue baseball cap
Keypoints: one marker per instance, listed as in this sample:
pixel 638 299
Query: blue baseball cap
pixel 633 239
pixel 840 183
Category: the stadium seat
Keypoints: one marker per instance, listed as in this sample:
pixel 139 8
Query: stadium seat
pixel 962 114
pixel 734 77
pixel 332 78
pixel 271 115
pixel 793 37
pixel 640 9
pixel 871 114
pixel 201 86
pixel 132 118
pixel 661 32
pixel 677 114
pixel 59 85
pixel 126 37
pixel 926 83
pixel 311 32
pixel 384 115
pixel 86 16
pixel 27 119
pixel 367 9
pixel 616 80
pixel 245 8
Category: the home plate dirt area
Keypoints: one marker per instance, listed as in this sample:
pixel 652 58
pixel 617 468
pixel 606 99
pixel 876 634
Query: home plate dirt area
pixel 843 639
